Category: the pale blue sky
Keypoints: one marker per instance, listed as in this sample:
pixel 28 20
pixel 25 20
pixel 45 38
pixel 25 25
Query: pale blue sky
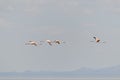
pixel 74 21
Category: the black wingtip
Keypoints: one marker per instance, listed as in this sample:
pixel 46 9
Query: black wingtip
pixel 94 37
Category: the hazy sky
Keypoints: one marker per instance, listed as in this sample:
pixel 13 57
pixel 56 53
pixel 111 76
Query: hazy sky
pixel 74 21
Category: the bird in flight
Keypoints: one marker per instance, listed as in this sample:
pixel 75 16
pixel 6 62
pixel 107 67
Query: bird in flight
pixel 49 42
pixel 58 42
pixel 96 39
pixel 34 43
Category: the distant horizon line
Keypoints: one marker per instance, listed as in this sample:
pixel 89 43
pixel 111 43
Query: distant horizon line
pixel 82 68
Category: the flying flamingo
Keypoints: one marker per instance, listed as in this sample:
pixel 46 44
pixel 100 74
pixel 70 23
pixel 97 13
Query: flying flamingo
pixel 96 39
pixel 49 42
pixel 34 43
pixel 58 42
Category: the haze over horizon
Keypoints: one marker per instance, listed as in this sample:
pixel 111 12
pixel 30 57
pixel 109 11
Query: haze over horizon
pixel 74 21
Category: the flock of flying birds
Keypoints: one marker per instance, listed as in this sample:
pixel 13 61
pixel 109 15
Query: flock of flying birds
pixel 50 42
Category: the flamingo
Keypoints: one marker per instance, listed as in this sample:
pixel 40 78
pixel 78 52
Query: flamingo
pixel 96 39
pixel 49 42
pixel 31 43
pixel 58 42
